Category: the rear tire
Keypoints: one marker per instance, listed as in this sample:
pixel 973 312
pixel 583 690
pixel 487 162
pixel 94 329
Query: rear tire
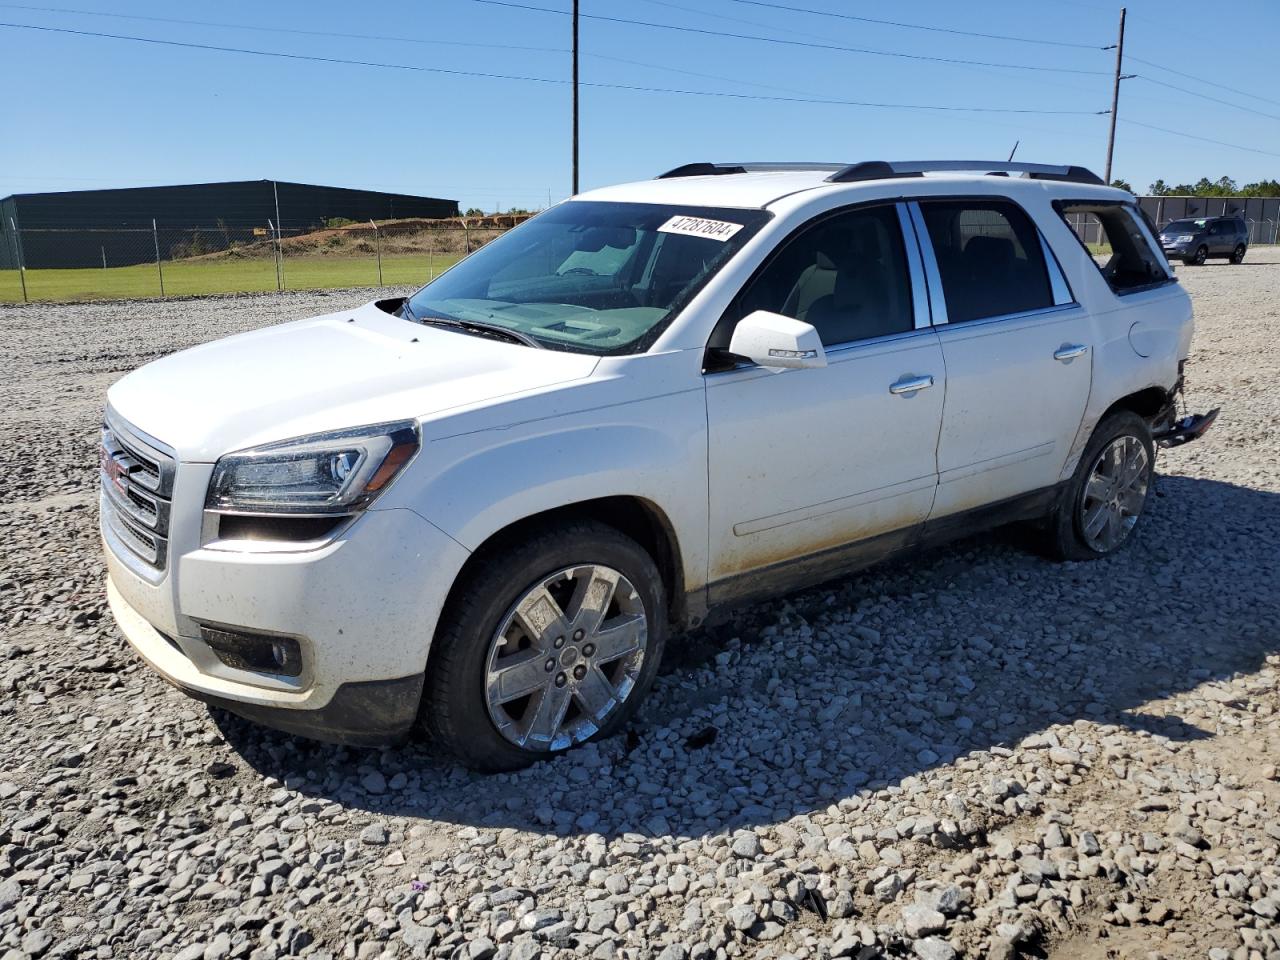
pixel 1107 494
pixel 1237 255
pixel 525 665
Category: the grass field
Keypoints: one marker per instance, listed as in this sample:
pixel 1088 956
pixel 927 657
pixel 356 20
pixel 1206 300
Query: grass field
pixel 202 276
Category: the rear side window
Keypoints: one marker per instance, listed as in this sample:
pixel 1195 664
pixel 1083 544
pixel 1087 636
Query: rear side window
pixel 989 258
pixel 1120 243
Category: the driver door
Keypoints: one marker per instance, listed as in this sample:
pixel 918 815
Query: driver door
pixel 837 463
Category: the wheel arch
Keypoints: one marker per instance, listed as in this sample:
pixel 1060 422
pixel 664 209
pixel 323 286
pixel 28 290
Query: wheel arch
pixel 636 517
pixel 1147 403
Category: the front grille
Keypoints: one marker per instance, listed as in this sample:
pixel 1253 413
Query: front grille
pixel 137 484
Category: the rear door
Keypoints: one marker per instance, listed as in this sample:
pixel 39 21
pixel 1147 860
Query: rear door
pixel 1222 239
pixel 1242 232
pixel 1017 350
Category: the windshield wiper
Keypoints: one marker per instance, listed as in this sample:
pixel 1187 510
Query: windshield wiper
pixel 482 329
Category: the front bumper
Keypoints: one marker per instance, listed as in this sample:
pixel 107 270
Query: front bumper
pixel 362 608
pixel 365 713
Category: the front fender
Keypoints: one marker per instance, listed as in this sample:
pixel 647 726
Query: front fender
pixel 654 450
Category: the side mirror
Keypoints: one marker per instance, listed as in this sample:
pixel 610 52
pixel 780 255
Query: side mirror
pixel 774 341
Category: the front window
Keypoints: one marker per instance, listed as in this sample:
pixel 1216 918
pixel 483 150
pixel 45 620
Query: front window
pixel 846 275
pixel 590 276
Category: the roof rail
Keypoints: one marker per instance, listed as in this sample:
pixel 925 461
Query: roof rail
pixel 720 169
pixel 888 170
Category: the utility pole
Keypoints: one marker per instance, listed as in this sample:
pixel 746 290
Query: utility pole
pixel 1115 96
pixel 275 194
pixel 575 97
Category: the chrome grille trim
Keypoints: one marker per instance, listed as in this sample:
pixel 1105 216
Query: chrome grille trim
pixel 137 483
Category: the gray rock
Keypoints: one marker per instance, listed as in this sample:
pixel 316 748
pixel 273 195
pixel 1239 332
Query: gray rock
pixel 1267 907
pixel 35 943
pixel 741 917
pixel 10 893
pixel 539 919
pixel 933 948
pixel 949 900
pixel 747 845
pixel 919 920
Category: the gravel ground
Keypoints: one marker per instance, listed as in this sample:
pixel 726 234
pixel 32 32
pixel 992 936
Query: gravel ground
pixel 974 753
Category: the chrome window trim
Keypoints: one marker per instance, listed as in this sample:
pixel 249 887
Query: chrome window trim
pixel 1061 290
pixel 882 341
pixel 915 268
pixel 937 300
pixel 1004 318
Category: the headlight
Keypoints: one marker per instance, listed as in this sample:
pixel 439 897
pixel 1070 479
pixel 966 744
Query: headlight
pixel 1185 238
pixel 324 474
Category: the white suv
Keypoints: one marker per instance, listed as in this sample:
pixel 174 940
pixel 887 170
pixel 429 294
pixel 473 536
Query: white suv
pixel 486 507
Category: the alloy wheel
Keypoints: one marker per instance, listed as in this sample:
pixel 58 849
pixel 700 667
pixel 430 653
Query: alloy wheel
pixel 565 657
pixel 1114 494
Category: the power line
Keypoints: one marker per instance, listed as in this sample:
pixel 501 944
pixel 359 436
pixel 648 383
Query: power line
pixel 715 15
pixel 1189 76
pixel 919 26
pixel 1205 96
pixel 545 80
pixel 286 30
pixel 1192 136
pixel 392 39
pixel 792 43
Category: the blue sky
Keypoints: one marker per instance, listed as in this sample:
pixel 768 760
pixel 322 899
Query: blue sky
pixel 81 112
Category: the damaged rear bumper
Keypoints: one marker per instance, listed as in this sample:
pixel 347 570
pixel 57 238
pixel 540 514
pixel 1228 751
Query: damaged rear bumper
pixel 1190 427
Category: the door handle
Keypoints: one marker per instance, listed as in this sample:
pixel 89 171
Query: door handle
pixel 910 385
pixel 1069 351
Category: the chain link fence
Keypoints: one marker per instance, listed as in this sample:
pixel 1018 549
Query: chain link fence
pixel 154 259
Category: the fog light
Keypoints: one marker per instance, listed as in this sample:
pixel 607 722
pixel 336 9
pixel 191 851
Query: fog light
pixel 254 651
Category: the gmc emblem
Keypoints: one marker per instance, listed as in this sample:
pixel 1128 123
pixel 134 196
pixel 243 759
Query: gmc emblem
pixel 114 470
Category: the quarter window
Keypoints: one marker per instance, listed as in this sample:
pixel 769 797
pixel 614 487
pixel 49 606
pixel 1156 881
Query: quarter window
pixel 846 275
pixel 1120 243
pixel 989 258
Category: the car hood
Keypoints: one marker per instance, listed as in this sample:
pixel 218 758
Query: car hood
pixel 345 369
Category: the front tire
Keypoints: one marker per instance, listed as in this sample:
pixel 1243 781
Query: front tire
pixel 552 639
pixel 1237 255
pixel 1108 492
pixel 1198 258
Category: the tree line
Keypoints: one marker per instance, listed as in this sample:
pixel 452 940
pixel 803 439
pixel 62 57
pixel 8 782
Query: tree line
pixel 1204 187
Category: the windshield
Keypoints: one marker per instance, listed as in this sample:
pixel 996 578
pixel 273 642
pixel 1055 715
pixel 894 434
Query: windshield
pixel 1184 226
pixel 590 276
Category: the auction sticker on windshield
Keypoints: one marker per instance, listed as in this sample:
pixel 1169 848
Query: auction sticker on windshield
pixel 720 230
